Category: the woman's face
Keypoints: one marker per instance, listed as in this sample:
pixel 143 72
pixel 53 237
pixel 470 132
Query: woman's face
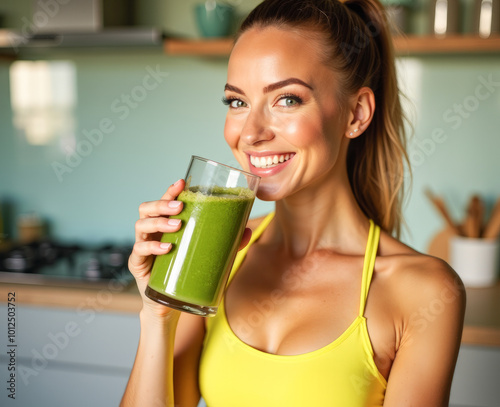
pixel 284 121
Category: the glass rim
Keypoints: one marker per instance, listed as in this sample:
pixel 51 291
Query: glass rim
pixel 207 160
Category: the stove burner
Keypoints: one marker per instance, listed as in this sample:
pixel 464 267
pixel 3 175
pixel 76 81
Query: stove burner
pixel 21 259
pixel 47 259
pixel 92 268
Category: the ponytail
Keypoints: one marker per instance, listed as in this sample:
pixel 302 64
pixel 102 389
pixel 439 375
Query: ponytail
pixel 376 160
pixel 359 47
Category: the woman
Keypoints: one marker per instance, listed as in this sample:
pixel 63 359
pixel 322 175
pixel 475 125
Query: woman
pixel 324 306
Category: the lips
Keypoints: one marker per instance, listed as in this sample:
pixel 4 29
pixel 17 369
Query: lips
pixel 269 161
pixel 267 164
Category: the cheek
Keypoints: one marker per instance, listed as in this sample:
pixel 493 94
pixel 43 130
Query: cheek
pixel 319 136
pixel 305 131
pixel 231 132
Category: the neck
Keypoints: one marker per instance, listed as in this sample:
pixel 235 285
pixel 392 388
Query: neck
pixel 321 216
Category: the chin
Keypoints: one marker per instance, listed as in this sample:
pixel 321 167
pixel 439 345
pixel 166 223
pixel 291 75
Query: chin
pixel 270 192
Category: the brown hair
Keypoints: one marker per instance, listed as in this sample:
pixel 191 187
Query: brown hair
pixel 359 47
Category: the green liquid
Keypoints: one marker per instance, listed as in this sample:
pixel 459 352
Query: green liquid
pixel 196 269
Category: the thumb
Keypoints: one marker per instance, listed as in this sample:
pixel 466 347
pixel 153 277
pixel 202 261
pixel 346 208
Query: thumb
pixel 247 234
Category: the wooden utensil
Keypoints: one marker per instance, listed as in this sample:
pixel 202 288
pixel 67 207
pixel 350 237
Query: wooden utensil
pixel 492 228
pixel 480 211
pixel 474 219
pixel 443 211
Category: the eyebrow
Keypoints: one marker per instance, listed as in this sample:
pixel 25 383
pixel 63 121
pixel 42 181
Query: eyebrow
pixel 234 89
pixel 286 82
pixel 271 87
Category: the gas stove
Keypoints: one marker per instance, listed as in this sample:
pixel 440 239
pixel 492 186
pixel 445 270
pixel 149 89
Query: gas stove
pixel 50 263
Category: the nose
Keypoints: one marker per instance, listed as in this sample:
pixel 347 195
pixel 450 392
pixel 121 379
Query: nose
pixel 256 128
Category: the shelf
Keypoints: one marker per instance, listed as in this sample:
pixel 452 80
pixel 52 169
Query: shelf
pixel 411 45
pixel 215 47
pixel 446 46
pixel 405 46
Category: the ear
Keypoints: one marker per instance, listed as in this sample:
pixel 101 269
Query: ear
pixel 361 110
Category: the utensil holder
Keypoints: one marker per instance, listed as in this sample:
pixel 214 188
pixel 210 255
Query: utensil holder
pixel 475 260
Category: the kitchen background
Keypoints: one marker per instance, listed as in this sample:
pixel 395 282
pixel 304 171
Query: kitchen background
pixel 112 128
pixel 90 192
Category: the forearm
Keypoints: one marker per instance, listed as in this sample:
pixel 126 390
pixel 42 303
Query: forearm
pixel 151 379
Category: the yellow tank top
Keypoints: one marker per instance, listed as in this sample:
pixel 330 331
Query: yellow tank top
pixel 341 374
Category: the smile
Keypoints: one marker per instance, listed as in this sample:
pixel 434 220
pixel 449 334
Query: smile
pixel 270 160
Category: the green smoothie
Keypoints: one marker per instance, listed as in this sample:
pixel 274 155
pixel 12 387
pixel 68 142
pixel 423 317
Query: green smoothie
pixel 198 265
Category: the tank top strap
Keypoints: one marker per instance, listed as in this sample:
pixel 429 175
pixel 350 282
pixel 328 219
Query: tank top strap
pixel 369 263
pixel 255 235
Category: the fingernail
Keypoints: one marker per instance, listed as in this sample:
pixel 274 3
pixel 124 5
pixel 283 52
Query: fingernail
pixel 174 204
pixel 178 182
pixel 165 246
pixel 174 222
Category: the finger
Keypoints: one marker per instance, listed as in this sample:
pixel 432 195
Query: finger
pixel 140 259
pixel 247 235
pixel 159 208
pixel 146 249
pixel 174 190
pixel 144 227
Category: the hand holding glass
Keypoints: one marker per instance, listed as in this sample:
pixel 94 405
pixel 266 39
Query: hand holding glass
pixel 217 203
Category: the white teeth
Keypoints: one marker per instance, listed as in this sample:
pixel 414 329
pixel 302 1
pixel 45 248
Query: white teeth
pixel 269 161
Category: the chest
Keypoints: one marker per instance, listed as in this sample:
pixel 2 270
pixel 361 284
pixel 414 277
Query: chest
pixel 293 307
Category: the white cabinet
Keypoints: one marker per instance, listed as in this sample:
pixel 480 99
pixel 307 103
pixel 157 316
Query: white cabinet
pixel 477 378
pixel 76 358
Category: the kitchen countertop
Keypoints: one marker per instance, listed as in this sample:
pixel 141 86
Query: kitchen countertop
pixel 482 316
pixel 113 298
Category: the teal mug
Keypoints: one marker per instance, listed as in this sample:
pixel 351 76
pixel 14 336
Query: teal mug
pixel 213 19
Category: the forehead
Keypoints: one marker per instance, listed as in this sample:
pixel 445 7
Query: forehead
pixel 271 54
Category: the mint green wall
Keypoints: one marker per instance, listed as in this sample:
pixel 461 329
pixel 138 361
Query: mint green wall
pixel 149 148
pixel 462 158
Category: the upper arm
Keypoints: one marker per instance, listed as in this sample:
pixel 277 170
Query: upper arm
pixel 187 349
pixel 432 305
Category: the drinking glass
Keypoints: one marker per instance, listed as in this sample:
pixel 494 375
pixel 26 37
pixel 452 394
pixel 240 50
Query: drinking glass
pixel 217 203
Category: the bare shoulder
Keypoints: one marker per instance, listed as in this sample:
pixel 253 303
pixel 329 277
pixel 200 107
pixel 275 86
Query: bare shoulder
pixel 416 280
